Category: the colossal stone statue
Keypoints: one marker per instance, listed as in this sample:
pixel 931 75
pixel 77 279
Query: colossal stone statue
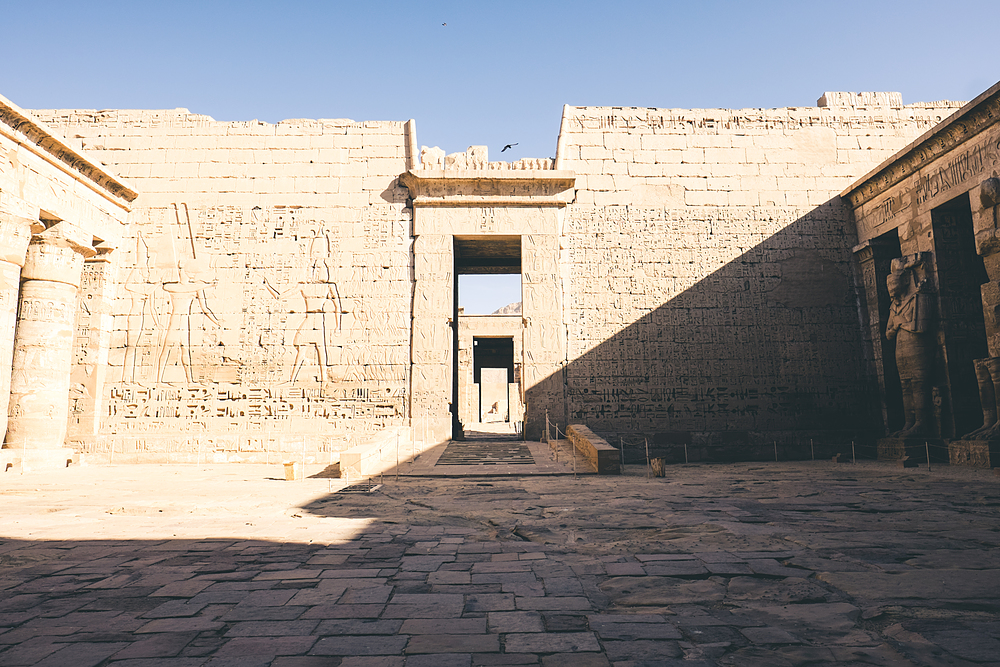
pixel 912 324
pixel 988 369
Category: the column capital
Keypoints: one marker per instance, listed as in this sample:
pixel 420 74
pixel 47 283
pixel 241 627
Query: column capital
pixel 15 234
pixel 57 254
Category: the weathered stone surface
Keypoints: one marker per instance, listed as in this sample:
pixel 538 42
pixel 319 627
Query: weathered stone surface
pixel 645 591
pixel 919 587
pixel 285 291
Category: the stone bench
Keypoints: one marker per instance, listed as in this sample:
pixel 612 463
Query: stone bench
pixel 605 458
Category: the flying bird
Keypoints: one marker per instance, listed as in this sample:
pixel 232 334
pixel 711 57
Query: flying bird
pixel 507 146
pixel 444 24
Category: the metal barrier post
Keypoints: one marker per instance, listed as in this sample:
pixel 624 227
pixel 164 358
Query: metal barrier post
pixel 574 459
pixel 649 469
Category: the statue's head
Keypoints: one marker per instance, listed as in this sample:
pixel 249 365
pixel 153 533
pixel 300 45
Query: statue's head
pixel 896 282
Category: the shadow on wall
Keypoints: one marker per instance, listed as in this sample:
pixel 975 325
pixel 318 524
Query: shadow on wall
pixel 765 353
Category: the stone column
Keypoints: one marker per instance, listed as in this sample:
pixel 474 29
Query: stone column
pixel 43 346
pixel 15 233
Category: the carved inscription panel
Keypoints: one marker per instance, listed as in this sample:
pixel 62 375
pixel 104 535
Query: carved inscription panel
pixel 706 320
pixel 274 320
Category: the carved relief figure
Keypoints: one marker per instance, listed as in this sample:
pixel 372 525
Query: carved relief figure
pixel 183 294
pixel 140 287
pixel 321 328
pixel 911 324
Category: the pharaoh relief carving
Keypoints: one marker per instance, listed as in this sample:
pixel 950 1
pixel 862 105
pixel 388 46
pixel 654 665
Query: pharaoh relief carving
pixel 142 318
pixel 186 293
pixel 320 334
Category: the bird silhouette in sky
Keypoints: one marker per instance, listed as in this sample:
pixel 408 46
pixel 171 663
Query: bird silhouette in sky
pixel 507 146
pixel 444 24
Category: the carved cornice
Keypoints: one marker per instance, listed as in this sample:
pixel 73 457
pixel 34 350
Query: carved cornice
pixel 26 130
pixel 962 125
pixel 537 187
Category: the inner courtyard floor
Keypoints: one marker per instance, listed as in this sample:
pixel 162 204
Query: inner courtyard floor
pixel 764 564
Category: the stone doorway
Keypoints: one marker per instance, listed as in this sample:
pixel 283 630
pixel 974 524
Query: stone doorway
pixel 960 272
pixel 478 220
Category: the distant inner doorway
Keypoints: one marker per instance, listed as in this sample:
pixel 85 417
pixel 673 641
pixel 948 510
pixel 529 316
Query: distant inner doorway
pixel 493 375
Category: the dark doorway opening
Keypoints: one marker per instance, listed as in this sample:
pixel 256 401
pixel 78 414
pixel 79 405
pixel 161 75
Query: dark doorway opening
pixel 961 272
pixel 484 255
pixel 493 373
pixel 887 248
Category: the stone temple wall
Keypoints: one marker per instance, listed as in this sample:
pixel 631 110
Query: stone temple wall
pixel 260 303
pixel 706 258
pixel 687 276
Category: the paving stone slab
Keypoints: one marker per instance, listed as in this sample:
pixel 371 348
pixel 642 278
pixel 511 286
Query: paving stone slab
pixel 497 659
pixel 79 654
pixel 478 602
pixel 635 630
pixel 358 627
pixel 466 643
pixel 452 626
pixel 560 622
pixel 272 628
pixel 515 621
pixel 372 661
pixel 333 610
pixel 440 660
pixel 550 642
pixel 162 645
pixel 193 624
pixel 942 584
pixel 552 603
pixel 251 613
pixel 349 645
pixel 641 650
pixel 575 660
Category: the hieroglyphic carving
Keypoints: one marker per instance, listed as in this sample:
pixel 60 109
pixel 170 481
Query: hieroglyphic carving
pixel 932 147
pixel 231 307
pixel 662 302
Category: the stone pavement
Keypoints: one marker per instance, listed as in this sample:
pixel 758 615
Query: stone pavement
pixel 555 458
pixel 743 564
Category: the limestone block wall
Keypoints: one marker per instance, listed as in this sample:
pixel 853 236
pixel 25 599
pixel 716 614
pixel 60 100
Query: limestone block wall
pixel 260 303
pixel 709 294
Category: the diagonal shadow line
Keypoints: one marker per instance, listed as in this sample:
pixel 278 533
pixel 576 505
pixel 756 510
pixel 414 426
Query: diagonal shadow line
pixel 768 348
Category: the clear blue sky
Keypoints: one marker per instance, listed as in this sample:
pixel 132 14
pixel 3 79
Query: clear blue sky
pixel 499 72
